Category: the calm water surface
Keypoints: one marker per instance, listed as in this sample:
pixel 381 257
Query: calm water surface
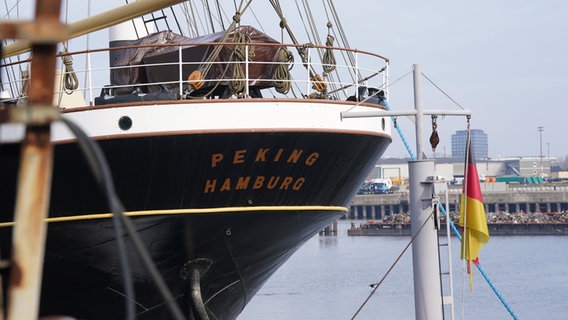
pixel 329 277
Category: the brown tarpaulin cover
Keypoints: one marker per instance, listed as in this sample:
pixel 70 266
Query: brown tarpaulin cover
pixel 138 55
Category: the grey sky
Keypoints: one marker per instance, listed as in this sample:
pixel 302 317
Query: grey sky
pixel 503 60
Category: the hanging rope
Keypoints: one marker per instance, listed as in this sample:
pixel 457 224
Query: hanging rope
pixel 70 80
pixel 25 78
pixel 285 59
pixel 242 42
pixel 328 59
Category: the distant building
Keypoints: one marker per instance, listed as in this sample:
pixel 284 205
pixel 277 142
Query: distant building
pixel 453 168
pixel 478 140
pixel 535 167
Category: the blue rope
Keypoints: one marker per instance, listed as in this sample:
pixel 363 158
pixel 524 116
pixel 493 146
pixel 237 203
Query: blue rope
pixel 511 312
pixel 401 134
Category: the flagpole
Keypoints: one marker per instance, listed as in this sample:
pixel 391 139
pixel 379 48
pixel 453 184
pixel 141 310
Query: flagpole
pixel 464 244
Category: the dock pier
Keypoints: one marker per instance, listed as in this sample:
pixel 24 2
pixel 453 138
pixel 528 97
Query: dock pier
pixel 330 230
pixel 518 199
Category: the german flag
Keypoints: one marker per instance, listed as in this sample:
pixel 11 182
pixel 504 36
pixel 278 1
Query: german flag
pixel 472 212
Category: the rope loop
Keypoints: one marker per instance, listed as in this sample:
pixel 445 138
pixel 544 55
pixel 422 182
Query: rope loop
pixel 70 80
pixel 237 17
pixel 328 59
pixel 282 83
pixel 242 41
pixel 25 78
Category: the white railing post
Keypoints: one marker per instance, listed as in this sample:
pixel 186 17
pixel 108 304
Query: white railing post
pixel 246 71
pixel 386 82
pixel 90 79
pixel 308 70
pixel 180 64
pixel 357 76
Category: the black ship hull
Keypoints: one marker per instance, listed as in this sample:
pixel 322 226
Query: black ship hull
pixel 237 204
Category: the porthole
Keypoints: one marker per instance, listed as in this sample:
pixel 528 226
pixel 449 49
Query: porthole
pixel 125 123
pixel 383 123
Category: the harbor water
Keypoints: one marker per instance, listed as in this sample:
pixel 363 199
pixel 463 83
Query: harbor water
pixel 329 278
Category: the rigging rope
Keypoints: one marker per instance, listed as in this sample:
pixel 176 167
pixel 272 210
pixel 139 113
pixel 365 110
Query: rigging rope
pixel 442 91
pixel 196 78
pixel 342 34
pixel 481 270
pixel 401 134
pixel 317 81
pixel 376 285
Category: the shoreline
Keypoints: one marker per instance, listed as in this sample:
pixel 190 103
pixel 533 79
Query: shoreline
pixel 372 228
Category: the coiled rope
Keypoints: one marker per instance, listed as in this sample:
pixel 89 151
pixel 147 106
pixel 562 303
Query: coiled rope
pixel 239 54
pixel 70 80
pixel 285 59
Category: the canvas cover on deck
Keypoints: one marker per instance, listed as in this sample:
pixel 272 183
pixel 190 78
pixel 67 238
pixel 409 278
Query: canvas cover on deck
pixel 142 52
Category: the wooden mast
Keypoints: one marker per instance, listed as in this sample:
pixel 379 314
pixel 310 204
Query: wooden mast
pixel 34 179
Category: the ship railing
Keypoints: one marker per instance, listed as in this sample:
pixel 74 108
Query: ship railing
pixel 91 71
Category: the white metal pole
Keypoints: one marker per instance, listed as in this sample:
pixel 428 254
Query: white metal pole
pixel 427 290
pixel 425 254
pixel 449 237
pixel 419 111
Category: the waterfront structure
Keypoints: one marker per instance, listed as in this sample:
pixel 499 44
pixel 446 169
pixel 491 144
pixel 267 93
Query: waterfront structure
pixel 452 168
pixel 498 197
pixel 478 141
